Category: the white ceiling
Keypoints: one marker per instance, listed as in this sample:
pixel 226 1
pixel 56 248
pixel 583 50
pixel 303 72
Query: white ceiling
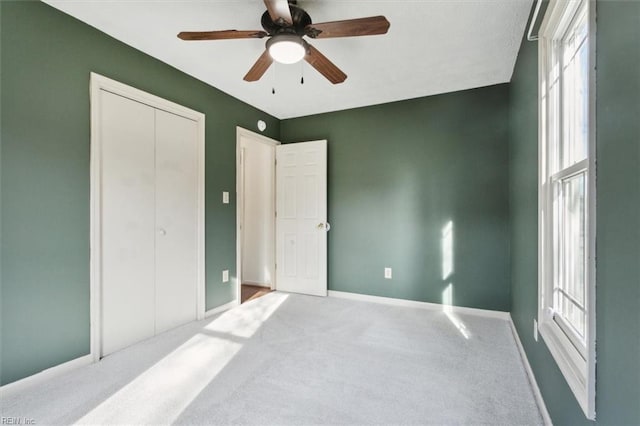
pixel 433 46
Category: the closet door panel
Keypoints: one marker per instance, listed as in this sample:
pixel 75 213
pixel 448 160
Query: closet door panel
pixel 176 220
pixel 128 214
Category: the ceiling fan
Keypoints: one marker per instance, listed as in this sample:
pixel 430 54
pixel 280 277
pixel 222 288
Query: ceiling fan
pixel 285 24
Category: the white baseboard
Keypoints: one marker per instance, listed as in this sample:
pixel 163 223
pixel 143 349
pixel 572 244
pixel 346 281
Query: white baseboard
pixel 221 308
pixel 41 377
pixel 420 305
pixel 44 375
pixel 256 283
pixel 532 379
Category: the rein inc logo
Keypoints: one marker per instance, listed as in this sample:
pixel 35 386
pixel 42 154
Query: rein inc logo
pixel 17 421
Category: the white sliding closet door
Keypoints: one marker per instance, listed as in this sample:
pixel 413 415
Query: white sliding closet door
pixel 128 231
pixel 176 220
pixel 149 213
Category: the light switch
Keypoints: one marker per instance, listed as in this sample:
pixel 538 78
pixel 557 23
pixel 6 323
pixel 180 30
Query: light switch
pixel 225 197
pixel 387 273
pixel 225 276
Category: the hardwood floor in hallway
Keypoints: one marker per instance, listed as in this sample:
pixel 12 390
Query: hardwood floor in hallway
pixel 251 291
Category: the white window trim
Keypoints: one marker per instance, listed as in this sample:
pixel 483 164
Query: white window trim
pixel 580 373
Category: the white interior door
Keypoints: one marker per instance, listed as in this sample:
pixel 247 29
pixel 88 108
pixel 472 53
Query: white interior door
pixel 301 218
pixel 176 219
pixel 128 209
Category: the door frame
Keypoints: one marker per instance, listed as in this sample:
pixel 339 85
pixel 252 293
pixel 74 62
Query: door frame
pixel 258 138
pixel 97 83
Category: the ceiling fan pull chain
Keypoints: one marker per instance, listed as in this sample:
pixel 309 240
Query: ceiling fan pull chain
pixel 274 74
pixel 301 72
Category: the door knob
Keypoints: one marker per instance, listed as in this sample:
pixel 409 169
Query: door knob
pixel 324 226
pixel 162 231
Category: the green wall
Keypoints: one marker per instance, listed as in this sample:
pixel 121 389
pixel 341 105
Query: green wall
pixel 618 221
pixel 46 60
pixel 397 174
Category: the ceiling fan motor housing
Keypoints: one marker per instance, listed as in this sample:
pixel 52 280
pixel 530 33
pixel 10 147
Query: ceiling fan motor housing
pixel 299 17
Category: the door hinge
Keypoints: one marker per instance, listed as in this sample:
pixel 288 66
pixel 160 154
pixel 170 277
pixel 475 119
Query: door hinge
pixel 276 214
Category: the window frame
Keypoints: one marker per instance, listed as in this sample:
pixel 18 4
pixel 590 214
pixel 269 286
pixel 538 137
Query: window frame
pixel 576 364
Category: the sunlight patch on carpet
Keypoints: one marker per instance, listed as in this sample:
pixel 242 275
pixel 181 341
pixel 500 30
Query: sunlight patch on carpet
pixel 163 392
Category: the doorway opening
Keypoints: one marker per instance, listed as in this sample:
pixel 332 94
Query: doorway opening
pixel 281 216
pixel 256 214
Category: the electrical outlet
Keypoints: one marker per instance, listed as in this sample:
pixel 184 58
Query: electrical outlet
pixel 225 197
pixel 225 276
pixel 535 330
pixel 387 273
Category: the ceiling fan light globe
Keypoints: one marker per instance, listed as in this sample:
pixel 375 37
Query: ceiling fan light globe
pixel 286 49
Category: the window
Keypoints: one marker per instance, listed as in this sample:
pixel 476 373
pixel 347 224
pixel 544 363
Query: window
pixel 566 313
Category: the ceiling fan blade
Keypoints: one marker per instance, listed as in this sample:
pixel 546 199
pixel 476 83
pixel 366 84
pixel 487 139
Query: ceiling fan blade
pixel 373 25
pixel 259 68
pixel 220 35
pixel 279 11
pixel 324 66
